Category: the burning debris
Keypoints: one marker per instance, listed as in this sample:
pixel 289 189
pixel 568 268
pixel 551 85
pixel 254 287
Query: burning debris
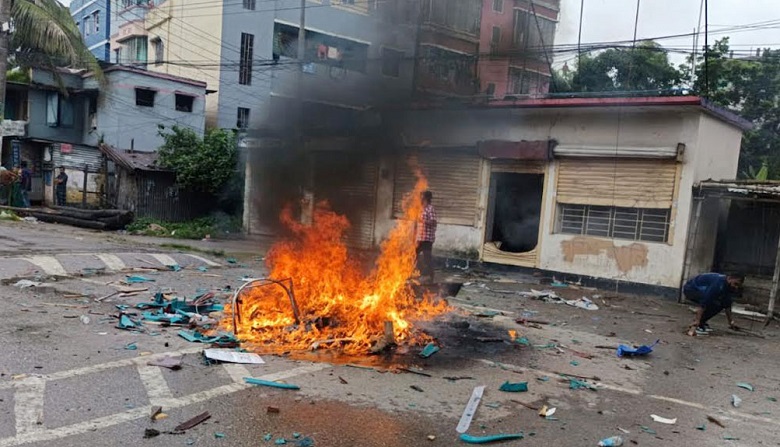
pixel 318 295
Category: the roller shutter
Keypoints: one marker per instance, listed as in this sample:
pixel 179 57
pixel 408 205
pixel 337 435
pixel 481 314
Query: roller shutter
pixel 453 177
pixel 628 183
pixel 518 166
pixel 348 182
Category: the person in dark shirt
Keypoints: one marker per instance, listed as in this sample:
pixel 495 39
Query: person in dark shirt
pixel 26 184
pixel 712 292
pixel 62 186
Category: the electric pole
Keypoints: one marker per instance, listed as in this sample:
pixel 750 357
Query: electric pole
pixel 5 37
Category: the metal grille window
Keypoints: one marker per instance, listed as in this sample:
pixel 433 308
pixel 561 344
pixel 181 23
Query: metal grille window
pixel 636 224
pixel 498 5
pixel 245 64
pixel 242 118
pixel 249 4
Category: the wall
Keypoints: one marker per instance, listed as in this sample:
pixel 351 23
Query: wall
pixel 191 30
pixel 97 42
pixel 38 128
pixel 642 262
pixel 120 121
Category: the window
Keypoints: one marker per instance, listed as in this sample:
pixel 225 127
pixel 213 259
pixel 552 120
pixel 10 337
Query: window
pixel 490 91
pixel 96 19
pixel 527 31
pixel 459 15
pixel 245 63
pixel 520 81
pixel 495 39
pixel 391 62
pixel 242 118
pixel 66 112
pixel 144 97
pixel 59 110
pixel 87 26
pixel 184 102
pixel 360 5
pixel 134 51
pixel 635 224
pixel 249 4
pixel 320 48
pixel 118 56
pixel 159 51
pixel 498 5
pixel 449 67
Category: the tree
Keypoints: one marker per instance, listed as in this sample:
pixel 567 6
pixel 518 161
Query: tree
pixel 43 33
pixel 645 67
pixel 201 164
pixel 749 87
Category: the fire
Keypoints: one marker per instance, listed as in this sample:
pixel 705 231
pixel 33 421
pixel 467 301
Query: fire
pixel 335 299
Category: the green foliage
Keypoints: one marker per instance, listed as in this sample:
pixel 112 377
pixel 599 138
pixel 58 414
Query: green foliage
pixel 18 76
pixel 194 229
pixel 751 88
pixel 205 165
pixel 645 67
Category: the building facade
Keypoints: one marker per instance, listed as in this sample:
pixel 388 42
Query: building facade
pixel 93 18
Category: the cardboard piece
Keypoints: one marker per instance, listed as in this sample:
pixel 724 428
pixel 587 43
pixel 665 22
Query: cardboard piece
pixel 232 356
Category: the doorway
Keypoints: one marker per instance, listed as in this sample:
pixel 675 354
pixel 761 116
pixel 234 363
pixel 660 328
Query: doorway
pixel 514 211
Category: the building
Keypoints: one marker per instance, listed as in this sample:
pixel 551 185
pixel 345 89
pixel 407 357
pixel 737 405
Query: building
pixel 59 120
pixel 93 19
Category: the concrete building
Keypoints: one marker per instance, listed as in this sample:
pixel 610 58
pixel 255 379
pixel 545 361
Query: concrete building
pixel 93 18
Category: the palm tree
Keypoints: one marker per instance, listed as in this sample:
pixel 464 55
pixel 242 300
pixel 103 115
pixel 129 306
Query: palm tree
pixel 42 34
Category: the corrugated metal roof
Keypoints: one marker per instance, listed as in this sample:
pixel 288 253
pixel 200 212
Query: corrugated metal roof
pixel 133 160
pixel 741 188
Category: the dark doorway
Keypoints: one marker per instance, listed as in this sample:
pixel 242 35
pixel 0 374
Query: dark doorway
pixel 515 209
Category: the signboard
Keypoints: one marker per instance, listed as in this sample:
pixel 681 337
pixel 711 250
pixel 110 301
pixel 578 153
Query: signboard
pixel 11 128
pixel 66 148
pixel 16 153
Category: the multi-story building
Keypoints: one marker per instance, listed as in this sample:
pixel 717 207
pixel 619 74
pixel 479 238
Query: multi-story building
pixel 93 18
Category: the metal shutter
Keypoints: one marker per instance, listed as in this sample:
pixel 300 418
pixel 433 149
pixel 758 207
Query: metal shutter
pixel 453 177
pixel 348 182
pixel 518 166
pixel 617 182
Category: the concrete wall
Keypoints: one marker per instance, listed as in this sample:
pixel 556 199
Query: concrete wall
pixel 37 126
pixel 120 120
pixel 97 42
pixel 191 30
pixel 635 261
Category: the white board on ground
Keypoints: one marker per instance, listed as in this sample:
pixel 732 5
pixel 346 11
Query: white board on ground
pixel 231 356
pixel 471 408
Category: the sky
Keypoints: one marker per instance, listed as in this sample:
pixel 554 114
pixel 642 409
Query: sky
pixel 611 20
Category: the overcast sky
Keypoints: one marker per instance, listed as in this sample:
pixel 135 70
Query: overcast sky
pixel 610 20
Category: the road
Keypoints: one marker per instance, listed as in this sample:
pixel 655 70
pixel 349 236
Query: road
pixel 66 383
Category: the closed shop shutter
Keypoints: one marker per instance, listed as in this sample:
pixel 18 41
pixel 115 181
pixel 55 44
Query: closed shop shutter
pixel 617 182
pixel 78 157
pixel 518 166
pixel 348 182
pixel 453 177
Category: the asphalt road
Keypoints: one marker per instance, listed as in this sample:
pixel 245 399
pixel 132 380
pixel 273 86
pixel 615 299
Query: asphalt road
pixel 66 383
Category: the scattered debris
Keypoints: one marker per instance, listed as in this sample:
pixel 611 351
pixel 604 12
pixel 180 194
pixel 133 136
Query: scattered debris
pixel 155 411
pixel 231 356
pixel 125 322
pixel 624 430
pixel 530 407
pixel 151 433
pixel 583 303
pixel 663 420
pixel 431 438
pixel 171 363
pixel 131 346
pixel 84 319
pixel 547 412
pixel 197 337
pixel 488 439
pixel 415 371
pixel 219 435
pixel 614 441
pixel 343 381
pixel 736 401
pixel 231 260
pixel 272 410
pixel 136 279
pixel 730 438
pixel 519 387
pixel 190 423
pixel 260 382
pixel 715 421
pixel 626 351
pixel 305 442
pixel 575 384
pixel 416 388
pixel 26 283
pixel 471 409
pixel 456 378
pixel 647 430
pixel 701 427
pixel 429 350
pixel 574 363
pixel 746 386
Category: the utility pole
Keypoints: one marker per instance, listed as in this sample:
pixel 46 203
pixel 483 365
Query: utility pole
pixel 706 49
pixel 5 37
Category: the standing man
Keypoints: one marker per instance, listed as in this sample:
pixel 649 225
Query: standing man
pixel 62 186
pixel 712 292
pixel 26 184
pixel 426 235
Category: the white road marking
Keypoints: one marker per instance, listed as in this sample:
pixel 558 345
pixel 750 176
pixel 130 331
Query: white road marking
pixel 164 259
pixel 49 264
pixel 204 260
pixel 156 387
pixel 236 371
pixel 28 406
pixel 142 412
pixel 113 262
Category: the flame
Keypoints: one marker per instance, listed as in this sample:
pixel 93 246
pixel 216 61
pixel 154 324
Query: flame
pixel 336 300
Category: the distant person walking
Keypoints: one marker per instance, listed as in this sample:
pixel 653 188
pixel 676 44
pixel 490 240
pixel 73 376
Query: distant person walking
pixel 26 184
pixel 61 189
pixel 426 236
pixel 713 293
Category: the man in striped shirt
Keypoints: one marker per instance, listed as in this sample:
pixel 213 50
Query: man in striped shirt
pixel 425 237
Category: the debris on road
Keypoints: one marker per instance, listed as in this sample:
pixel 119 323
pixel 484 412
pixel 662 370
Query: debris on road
pixel 647 430
pixel 582 303
pixel 219 435
pixel 627 351
pixel 190 423
pixel 231 356
pixel 431 437
pixel 413 371
pixel 716 421
pixel 701 427
pixel 488 439
pixel 736 401
pixel 663 420
pixel 171 363
pixel 131 346
pixel 429 350
pixel 614 441
pixel 151 433
pixel 260 382
pixel 272 410
pixel 547 412
pixel 575 384
pixel 343 381
pixel 745 385
pixel 416 388
pixel 519 387
pixel 471 409
pixel 456 378
pixel 136 279
pixel 197 337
